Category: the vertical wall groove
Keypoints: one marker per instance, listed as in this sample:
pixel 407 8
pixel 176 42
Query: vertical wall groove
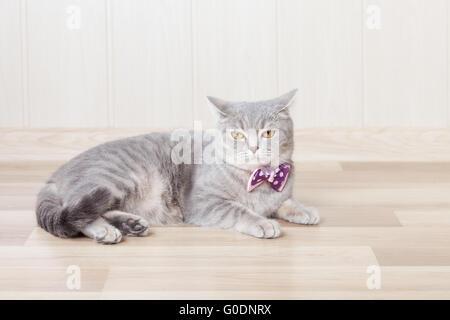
pixel 277 18
pixel 448 66
pixel 193 66
pixel 363 65
pixel 24 42
pixel 109 64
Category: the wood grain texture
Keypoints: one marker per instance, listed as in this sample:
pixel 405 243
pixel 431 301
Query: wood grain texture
pixel 388 214
pixel 152 63
pixel 176 256
pixel 406 144
pixel 67 67
pixel 235 52
pixel 24 279
pixel 320 52
pixel 356 216
pixel 422 255
pixel 331 279
pixel 11 71
pixel 432 217
pixel 223 279
pixel 405 64
pixel 16 226
pixel 308 236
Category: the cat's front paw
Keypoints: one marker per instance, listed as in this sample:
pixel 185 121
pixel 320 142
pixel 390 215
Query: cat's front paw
pixel 263 228
pixel 108 235
pixel 304 215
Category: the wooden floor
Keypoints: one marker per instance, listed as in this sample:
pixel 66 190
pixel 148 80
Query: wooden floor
pixel 383 203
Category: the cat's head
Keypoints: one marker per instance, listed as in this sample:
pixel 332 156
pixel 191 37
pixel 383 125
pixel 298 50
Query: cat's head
pixel 257 133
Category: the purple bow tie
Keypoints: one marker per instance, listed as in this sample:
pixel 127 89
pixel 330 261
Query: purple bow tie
pixel 277 177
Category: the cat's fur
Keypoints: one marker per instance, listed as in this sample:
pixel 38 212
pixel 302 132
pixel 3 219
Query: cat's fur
pixel 121 187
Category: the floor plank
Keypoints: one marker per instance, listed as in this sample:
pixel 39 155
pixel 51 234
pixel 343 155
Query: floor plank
pixel 288 279
pixel 51 279
pixel 357 216
pixel 291 236
pixel 425 255
pixel 424 217
pixel 16 227
pixel 187 256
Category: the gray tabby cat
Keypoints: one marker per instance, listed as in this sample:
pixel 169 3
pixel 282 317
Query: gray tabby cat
pixel 120 188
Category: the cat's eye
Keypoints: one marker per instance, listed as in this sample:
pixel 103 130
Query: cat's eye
pixel 237 135
pixel 268 133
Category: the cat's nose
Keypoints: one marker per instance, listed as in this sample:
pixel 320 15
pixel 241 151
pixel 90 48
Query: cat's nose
pixel 254 149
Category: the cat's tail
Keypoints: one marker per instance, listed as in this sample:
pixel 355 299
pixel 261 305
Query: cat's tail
pixel 68 221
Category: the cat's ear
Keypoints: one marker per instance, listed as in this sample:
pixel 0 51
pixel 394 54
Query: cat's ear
pixel 284 101
pixel 218 106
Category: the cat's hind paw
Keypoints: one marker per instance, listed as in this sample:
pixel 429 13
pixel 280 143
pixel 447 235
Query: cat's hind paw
pixel 134 227
pixel 129 224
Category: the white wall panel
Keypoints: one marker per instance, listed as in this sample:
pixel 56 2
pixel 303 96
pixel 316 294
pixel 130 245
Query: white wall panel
pixel 152 63
pixel 235 52
pixel 405 64
pixel 11 90
pixel 67 63
pixel 320 53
